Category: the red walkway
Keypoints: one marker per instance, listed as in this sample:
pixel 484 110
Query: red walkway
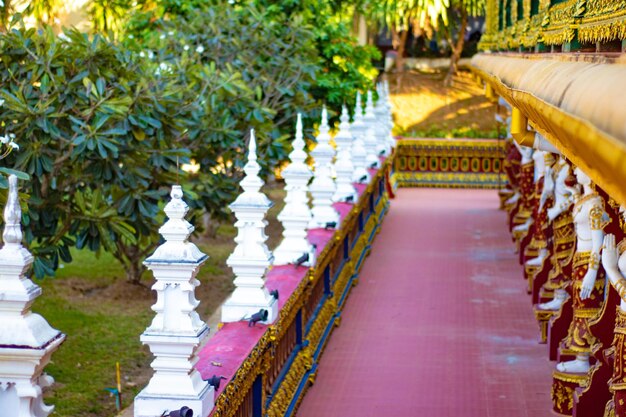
pixel 439 324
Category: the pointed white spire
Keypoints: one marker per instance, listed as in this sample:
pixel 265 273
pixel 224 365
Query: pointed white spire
pixel 359 152
pixel 26 339
pixel 175 232
pixel 295 216
pixel 324 127
pixel 176 332
pixel 323 186
pixel 252 183
pixel 343 165
pixel 251 257
pixel 12 234
pixel 298 142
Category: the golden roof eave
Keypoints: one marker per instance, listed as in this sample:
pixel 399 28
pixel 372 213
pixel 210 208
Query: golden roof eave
pixel 576 132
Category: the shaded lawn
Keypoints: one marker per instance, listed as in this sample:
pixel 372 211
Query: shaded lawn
pixel 424 107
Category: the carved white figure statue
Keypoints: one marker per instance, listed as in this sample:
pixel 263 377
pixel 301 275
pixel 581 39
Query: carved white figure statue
pixel 614 263
pixel 295 216
pixel 251 257
pixel 323 186
pixel 540 164
pixel 509 138
pixel 391 141
pixel 26 339
pixel 176 332
pixel 563 198
pixel 589 221
pixel 546 193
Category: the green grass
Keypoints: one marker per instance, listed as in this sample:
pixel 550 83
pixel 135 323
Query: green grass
pixel 84 366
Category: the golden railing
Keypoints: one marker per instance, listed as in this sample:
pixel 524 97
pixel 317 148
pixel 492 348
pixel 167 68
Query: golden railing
pixel 449 163
pixel 274 377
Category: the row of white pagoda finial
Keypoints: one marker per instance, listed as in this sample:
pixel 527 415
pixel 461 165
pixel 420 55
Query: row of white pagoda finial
pixel 177 332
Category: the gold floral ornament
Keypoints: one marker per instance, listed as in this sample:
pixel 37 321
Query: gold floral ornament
pixel 580 9
pixel 598 218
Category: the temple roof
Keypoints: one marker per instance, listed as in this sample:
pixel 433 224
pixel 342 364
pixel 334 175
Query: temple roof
pixel 577 101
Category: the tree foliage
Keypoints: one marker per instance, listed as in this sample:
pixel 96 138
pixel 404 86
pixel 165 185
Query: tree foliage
pixel 406 13
pixel 446 16
pixel 244 69
pixel 104 124
pixel 98 137
pixel 346 66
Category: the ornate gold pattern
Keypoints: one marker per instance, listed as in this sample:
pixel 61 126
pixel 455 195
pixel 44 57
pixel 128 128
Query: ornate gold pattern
pixel 451 163
pixel 321 323
pixel 618 350
pixel 563 385
pixel 283 397
pixel 603 20
pixel 592 21
pixel 562 396
pixel 581 259
pixel 609 410
pixel 561 27
pixel 543 317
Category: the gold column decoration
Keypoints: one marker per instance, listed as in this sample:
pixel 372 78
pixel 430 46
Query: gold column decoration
pixel 487 41
pixel 519 128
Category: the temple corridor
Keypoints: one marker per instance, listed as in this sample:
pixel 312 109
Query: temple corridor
pixel 439 324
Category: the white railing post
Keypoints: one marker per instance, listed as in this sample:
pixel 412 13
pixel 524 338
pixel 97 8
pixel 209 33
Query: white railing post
pixel 176 332
pixel 371 141
pixel 251 257
pixel 391 141
pixel 323 186
pixel 26 339
pixel 343 165
pixel 382 131
pixel 296 215
pixel 359 151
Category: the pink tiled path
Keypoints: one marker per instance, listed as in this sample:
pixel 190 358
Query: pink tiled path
pixel 439 324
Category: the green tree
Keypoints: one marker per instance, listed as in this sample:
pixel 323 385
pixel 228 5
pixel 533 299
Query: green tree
pixel 448 16
pixel 103 125
pixel 100 138
pixel 109 16
pixel 244 67
pixel 455 29
pixel 346 66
